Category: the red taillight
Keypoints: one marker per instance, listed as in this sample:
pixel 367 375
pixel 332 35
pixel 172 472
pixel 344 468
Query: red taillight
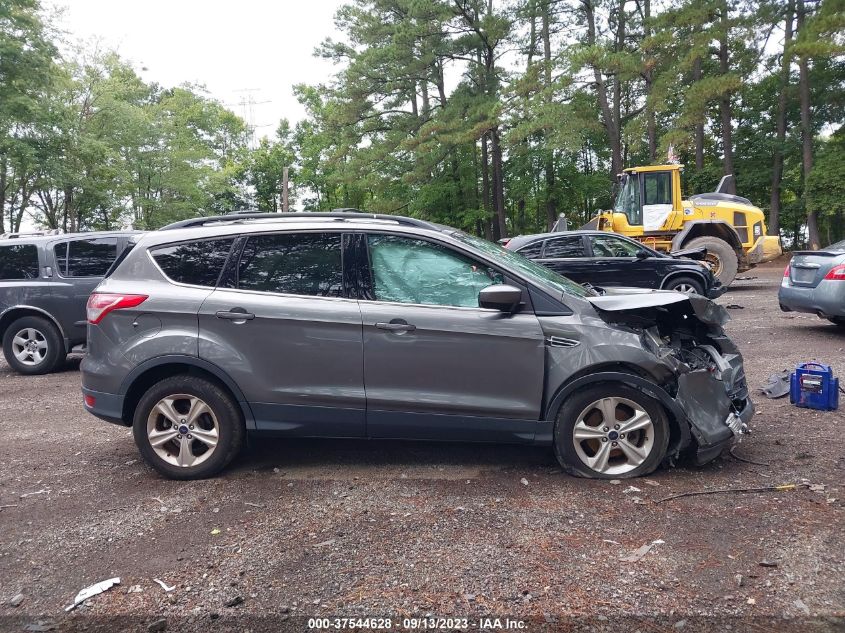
pixel 101 303
pixel 90 401
pixel 786 271
pixel 837 273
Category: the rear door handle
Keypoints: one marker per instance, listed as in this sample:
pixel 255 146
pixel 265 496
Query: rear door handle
pixel 397 325
pixel 235 315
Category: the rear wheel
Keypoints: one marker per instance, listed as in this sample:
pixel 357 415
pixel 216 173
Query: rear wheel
pixel 187 427
pixel 685 284
pixel 33 345
pixel 611 431
pixel 721 257
pixel 840 321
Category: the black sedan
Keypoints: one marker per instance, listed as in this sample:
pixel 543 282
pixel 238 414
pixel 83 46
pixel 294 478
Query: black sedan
pixel 607 259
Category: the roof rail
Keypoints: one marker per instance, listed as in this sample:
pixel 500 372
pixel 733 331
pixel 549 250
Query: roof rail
pixel 338 214
pixel 17 235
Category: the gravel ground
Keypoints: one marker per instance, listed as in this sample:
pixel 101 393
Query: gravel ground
pixel 298 529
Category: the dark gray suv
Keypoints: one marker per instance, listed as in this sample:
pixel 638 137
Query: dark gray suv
pixel 45 281
pixel 368 326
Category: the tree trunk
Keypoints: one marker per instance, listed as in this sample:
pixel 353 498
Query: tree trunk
pixel 806 134
pixel 3 175
pixel 485 187
pixel 499 227
pixel 551 204
pixel 611 125
pixel 777 160
pixel 725 100
pixel 651 125
pixel 699 127
pixel 425 104
pixel 414 107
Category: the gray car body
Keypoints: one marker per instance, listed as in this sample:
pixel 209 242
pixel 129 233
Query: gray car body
pixel 805 289
pixel 315 366
pixel 60 299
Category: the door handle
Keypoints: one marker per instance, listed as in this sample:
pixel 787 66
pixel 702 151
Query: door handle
pixel 235 315
pixel 396 325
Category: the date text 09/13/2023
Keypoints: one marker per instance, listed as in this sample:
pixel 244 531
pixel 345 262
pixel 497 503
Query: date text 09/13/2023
pixel 416 624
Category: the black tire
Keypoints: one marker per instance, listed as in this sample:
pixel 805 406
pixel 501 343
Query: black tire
pixel 677 283
pixel 47 333
pixel 720 255
pixel 230 426
pixel 564 440
pixel 840 321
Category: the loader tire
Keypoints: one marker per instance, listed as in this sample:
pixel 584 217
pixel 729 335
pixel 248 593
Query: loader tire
pixel 720 256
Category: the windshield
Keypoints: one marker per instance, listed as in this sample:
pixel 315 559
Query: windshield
pixel 628 200
pixel 534 272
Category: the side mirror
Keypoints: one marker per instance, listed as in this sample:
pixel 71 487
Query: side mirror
pixel 500 297
pixel 643 254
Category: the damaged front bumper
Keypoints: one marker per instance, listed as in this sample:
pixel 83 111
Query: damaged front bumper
pixel 716 418
pixel 706 389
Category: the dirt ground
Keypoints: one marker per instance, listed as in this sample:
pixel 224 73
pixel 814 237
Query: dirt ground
pixel 330 529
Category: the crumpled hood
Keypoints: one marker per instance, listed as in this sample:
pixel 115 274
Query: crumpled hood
pixel 626 299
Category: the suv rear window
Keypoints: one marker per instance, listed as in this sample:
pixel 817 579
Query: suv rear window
pixel 86 258
pixel 19 261
pixel 196 263
pixel 293 263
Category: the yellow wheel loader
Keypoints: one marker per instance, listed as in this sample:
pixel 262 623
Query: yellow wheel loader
pixel 649 208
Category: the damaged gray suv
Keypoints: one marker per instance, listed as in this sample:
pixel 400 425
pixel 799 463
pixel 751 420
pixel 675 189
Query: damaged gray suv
pixel 353 325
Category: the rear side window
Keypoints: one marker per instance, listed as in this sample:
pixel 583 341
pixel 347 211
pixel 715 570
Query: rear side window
pixel 86 258
pixel 293 263
pixel 19 261
pixel 531 251
pixel 196 263
pixel 563 247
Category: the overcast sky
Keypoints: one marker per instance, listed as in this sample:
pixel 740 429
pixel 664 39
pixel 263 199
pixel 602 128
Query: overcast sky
pixel 242 51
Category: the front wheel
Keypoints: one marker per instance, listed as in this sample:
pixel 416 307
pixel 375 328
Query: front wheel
pixel 840 321
pixel 187 427
pixel 611 431
pixel 687 285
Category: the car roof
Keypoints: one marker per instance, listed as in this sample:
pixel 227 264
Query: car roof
pixel 533 237
pixel 58 237
pixel 233 224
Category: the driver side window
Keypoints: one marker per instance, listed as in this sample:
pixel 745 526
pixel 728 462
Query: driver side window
pixel 606 246
pixel 407 270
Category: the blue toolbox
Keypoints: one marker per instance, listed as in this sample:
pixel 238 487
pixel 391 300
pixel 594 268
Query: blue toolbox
pixel 813 386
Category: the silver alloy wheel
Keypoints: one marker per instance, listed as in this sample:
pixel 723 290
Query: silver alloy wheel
pixel 613 436
pixel 183 430
pixel 687 288
pixel 29 346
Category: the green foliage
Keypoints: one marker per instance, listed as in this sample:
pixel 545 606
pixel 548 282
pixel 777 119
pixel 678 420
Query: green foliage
pixel 490 116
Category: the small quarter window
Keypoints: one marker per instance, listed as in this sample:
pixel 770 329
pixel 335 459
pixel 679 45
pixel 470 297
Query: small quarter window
pixel 532 251
pixel 196 263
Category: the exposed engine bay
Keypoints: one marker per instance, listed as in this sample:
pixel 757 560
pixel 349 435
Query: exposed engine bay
pixel 707 381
